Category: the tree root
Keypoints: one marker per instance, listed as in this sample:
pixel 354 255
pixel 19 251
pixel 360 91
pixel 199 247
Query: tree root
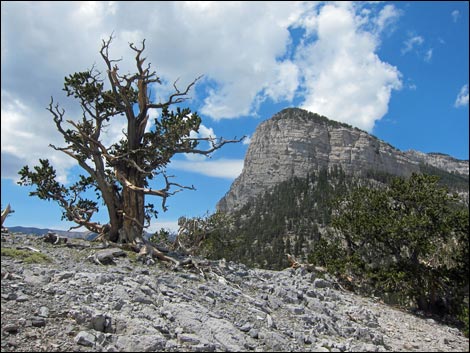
pixel 151 251
pixel 147 250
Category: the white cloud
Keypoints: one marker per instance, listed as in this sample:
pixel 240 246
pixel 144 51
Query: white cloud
pixel 246 140
pixel 455 15
pixel 285 82
pixel 114 131
pixel 414 43
pixel 26 137
pixel 387 17
pixel 243 48
pixel 204 132
pixel 235 45
pixel 411 43
pixel 220 168
pixel 344 79
pixel 462 97
pixel 428 55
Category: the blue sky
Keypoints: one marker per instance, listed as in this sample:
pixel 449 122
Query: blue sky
pixel 396 69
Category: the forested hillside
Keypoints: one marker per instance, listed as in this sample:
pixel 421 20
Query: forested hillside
pixel 402 239
pixel 294 214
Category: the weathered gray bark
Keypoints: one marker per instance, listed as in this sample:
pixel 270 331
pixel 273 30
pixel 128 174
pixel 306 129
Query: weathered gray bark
pixel 133 159
pixel 5 213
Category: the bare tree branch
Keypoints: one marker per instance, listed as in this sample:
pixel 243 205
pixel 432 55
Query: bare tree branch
pixel 120 172
pixel 5 213
pixel 216 144
pixel 126 183
pixel 177 97
pixel 134 220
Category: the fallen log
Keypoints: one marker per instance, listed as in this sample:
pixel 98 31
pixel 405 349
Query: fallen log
pixel 106 257
pixel 30 248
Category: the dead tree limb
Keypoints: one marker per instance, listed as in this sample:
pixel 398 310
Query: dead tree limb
pixel 5 213
pixel 292 261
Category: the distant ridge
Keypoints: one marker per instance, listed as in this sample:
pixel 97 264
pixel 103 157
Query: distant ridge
pixel 64 233
pixel 42 231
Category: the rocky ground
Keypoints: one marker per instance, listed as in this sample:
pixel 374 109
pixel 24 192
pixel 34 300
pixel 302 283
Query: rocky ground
pixel 74 304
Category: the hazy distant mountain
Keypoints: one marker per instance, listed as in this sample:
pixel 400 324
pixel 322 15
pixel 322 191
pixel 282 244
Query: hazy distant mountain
pixel 41 231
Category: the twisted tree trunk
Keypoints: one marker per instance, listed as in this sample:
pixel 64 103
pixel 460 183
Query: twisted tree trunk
pixel 133 202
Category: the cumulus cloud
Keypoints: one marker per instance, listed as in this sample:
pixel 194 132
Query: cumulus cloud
pixel 245 51
pixel 387 17
pixel 344 78
pixel 285 83
pixel 455 15
pixel 462 97
pixel 235 45
pixel 26 135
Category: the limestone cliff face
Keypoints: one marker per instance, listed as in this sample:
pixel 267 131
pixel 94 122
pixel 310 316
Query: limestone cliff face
pixel 441 161
pixel 294 142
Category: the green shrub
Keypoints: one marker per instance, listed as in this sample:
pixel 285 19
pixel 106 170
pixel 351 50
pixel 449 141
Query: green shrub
pixel 27 256
pixel 408 241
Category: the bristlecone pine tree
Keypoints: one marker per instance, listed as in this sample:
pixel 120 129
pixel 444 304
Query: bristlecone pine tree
pixel 119 173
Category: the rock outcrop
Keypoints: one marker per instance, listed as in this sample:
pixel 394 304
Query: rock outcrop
pixel 295 142
pixel 75 305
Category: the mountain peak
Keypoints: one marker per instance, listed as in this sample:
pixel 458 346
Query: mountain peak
pixel 302 114
pixel 295 142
